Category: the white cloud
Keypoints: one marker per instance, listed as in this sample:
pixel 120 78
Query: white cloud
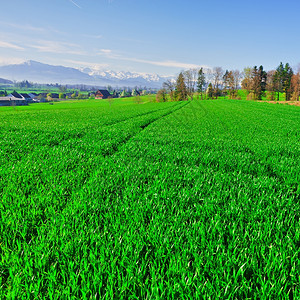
pixel 110 54
pixel 93 66
pixel 11 61
pixel 10 46
pixel 57 47
pixel 106 51
pixel 167 63
pixel 75 3
pixel 25 27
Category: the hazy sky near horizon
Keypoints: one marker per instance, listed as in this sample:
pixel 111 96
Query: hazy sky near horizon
pixel 150 36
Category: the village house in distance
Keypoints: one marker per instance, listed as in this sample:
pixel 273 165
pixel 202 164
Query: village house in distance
pixel 17 99
pixel 102 94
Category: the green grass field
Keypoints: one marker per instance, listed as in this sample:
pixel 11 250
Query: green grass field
pixel 175 200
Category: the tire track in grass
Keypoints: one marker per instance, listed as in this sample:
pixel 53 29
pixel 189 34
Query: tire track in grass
pixel 61 137
pixel 55 140
pixel 65 198
pixel 108 143
pixel 56 185
pixel 116 147
pixel 134 129
pixel 79 192
pixel 139 115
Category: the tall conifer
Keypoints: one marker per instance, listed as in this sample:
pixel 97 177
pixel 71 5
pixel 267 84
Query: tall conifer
pixel 201 82
pixel 181 90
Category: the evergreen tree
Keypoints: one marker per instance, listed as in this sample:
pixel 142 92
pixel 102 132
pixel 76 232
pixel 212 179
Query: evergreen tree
pixel 282 80
pixel 288 74
pixel 226 78
pixel 256 86
pixel 201 82
pixel 210 91
pixel 263 81
pixel 279 79
pixel 259 82
pixel 181 90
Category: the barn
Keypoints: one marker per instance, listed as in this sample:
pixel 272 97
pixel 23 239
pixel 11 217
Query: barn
pixel 13 99
pixel 102 94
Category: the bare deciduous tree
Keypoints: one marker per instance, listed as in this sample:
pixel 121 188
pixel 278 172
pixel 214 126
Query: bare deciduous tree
pixel 247 81
pixel 237 75
pixel 271 85
pixel 231 85
pixel 217 76
pixel 190 77
pixel 295 82
pixel 161 95
pixel 169 86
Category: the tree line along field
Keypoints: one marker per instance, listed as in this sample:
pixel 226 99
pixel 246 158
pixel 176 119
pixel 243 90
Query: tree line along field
pixel 174 200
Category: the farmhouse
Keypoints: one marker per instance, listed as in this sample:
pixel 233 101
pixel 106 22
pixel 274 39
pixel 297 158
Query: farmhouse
pixel 102 94
pixel 15 95
pixel 34 97
pixel 26 96
pixel 13 99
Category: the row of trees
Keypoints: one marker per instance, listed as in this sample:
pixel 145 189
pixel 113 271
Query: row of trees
pixel 282 80
pixel 217 82
pixel 204 83
pixel 185 86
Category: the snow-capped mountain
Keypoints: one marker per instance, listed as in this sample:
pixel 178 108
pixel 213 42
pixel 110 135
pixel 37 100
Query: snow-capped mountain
pixel 121 78
pixel 44 73
pixel 121 75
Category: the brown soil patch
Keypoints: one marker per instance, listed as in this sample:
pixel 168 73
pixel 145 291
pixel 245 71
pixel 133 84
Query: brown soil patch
pixel 296 103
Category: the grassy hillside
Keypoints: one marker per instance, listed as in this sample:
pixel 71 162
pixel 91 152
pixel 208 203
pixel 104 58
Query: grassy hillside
pixel 119 200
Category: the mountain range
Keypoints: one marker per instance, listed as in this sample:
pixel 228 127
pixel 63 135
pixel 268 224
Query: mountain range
pixel 44 73
pixel 5 81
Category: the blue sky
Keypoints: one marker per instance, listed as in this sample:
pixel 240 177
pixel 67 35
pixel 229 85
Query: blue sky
pixel 150 36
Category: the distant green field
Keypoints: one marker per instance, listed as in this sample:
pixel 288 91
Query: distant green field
pixel 243 95
pixel 175 200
